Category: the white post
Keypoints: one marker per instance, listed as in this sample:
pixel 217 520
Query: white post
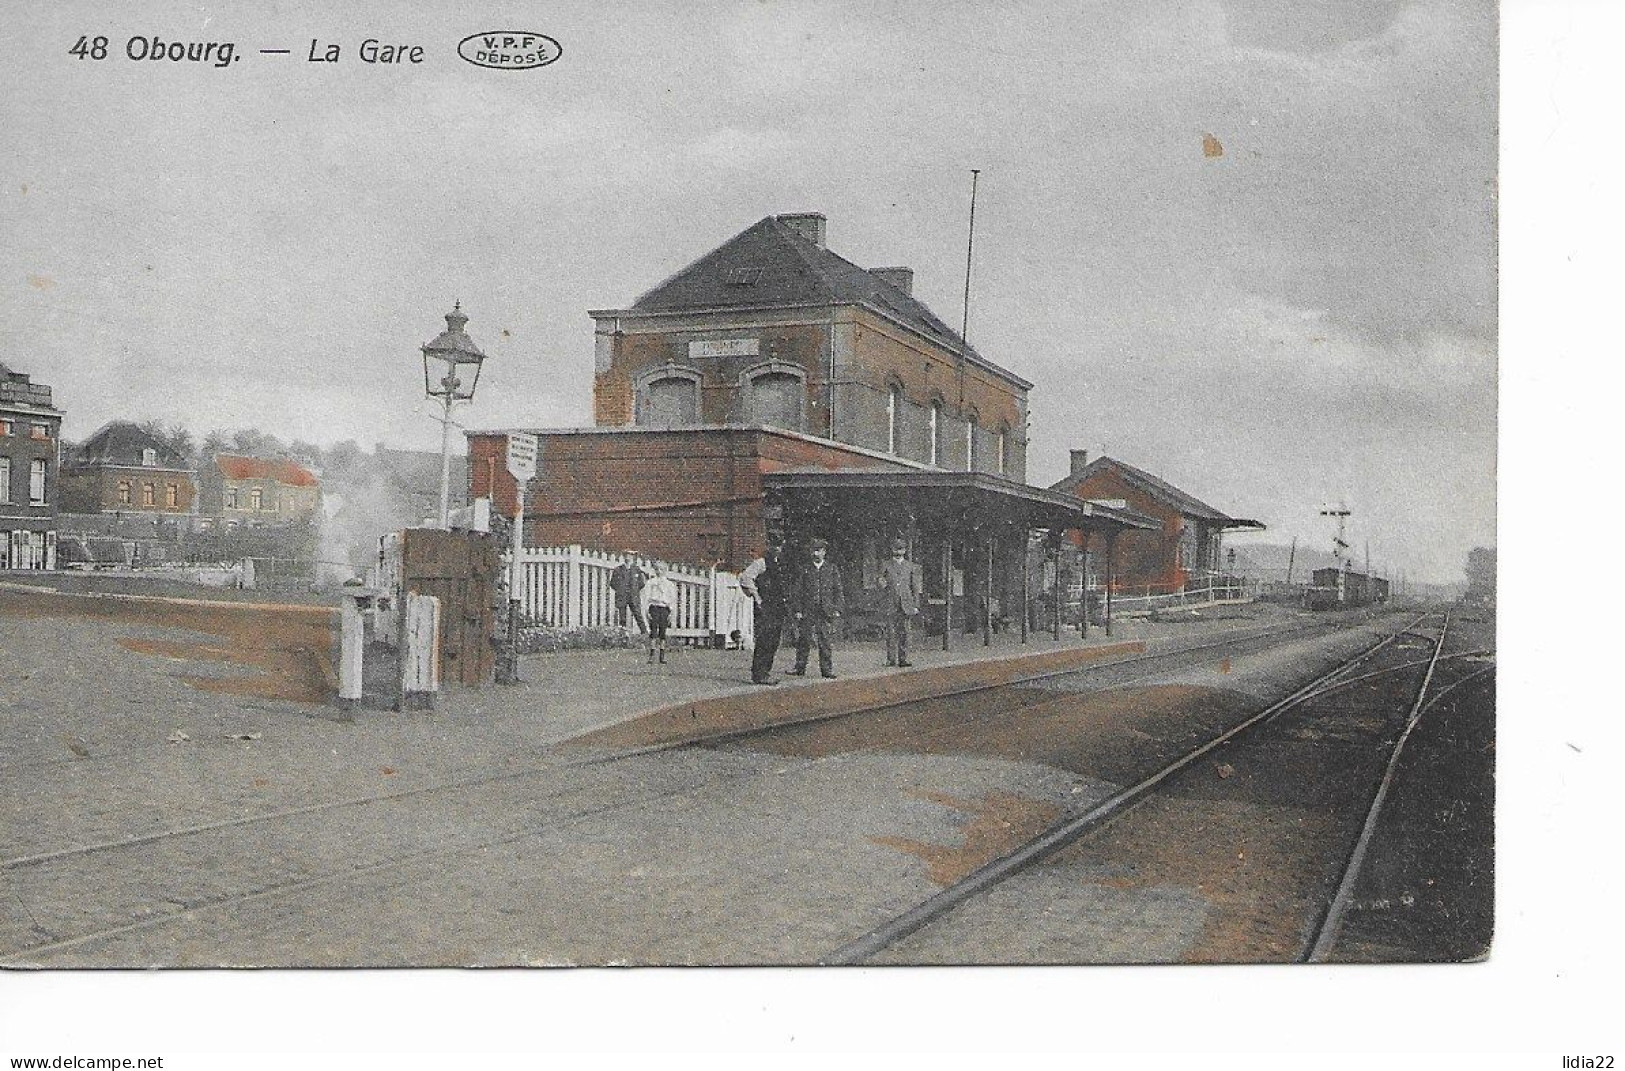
pixel 445 464
pixel 713 612
pixel 572 587
pixel 516 579
pixel 352 642
pixel 420 651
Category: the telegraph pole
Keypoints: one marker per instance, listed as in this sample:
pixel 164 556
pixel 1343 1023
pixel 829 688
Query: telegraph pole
pixel 1340 547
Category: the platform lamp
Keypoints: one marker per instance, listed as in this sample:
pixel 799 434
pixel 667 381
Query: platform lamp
pixel 451 371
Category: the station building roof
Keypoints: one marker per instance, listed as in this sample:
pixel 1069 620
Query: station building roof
pixel 774 264
pixel 974 499
pixel 1156 487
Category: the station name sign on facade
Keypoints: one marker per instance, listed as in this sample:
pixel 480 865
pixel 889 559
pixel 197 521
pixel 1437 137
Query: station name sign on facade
pixel 725 347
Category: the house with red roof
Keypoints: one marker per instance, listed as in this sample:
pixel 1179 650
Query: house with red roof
pixel 260 491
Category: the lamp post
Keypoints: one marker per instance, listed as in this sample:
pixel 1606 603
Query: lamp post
pixel 451 371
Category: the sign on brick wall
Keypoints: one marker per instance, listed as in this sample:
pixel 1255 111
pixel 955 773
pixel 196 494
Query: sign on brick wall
pixel 522 454
pixel 725 347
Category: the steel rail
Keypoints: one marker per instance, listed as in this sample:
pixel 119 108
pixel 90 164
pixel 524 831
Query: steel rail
pixel 1336 685
pixel 619 756
pixel 1068 831
pixel 445 849
pixel 1331 922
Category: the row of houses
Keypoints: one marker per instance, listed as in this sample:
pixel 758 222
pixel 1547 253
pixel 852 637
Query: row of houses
pixel 773 386
pixel 124 469
pixel 127 496
pixel 124 487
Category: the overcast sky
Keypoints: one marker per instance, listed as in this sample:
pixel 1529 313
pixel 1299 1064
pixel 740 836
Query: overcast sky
pixel 1308 318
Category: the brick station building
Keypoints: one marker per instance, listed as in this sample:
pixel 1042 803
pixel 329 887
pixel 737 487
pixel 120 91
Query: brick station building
pixel 773 385
pixel 1183 551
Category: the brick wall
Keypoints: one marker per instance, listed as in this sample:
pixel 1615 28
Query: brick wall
pixel 884 354
pixel 22 448
pixel 801 347
pixel 278 502
pixel 871 354
pixel 687 496
pixel 1138 558
pixel 95 489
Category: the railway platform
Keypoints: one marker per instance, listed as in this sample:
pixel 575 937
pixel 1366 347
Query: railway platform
pixel 569 694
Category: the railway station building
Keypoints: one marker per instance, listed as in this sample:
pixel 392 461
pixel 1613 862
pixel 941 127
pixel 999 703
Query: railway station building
pixel 1185 548
pixel 774 386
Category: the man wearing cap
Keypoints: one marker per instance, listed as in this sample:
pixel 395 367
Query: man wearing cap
pixel 818 604
pixel 900 590
pixel 627 581
pixel 764 580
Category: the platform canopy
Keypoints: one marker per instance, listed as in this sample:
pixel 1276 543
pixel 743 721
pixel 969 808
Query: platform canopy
pixel 934 499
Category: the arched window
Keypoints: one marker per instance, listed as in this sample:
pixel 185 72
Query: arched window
pixel 777 397
pixel 1002 445
pixel 668 398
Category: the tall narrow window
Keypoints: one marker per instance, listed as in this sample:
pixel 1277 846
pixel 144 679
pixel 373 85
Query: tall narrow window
pixel 256 498
pixel 1002 445
pixel 36 482
pixel 124 492
pixel 231 498
pixel 894 410
pixel 970 446
pixel 172 496
pixel 5 481
pixel 149 495
pixel 936 433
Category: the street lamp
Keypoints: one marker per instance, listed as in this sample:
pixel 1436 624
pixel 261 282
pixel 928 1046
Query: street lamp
pixel 451 371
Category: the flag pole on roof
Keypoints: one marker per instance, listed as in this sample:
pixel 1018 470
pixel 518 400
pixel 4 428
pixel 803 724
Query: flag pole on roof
pixel 964 323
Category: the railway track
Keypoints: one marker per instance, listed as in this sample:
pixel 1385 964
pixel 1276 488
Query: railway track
pixel 1073 829
pixel 1247 637
pixel 456 846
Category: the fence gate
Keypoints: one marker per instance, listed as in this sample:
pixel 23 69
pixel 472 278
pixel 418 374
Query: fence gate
pixel 461 570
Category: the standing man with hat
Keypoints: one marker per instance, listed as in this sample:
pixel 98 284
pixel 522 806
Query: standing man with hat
pixel 765 581
pixel 818 603
pixel 900 585
pixel 627 581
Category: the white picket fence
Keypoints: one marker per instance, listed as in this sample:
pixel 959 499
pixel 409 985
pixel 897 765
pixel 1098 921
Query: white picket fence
pixel 568 587
pixel 1231 589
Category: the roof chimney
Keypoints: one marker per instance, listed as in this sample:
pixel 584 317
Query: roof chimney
pixel 901 278
pixel 810 225
pixel 1080 461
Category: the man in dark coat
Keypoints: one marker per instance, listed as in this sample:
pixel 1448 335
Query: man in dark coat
pixel 767 583
pixel 818 603
pixel 901 588
pixel 627 581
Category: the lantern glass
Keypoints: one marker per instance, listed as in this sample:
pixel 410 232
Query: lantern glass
pixel 447 376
